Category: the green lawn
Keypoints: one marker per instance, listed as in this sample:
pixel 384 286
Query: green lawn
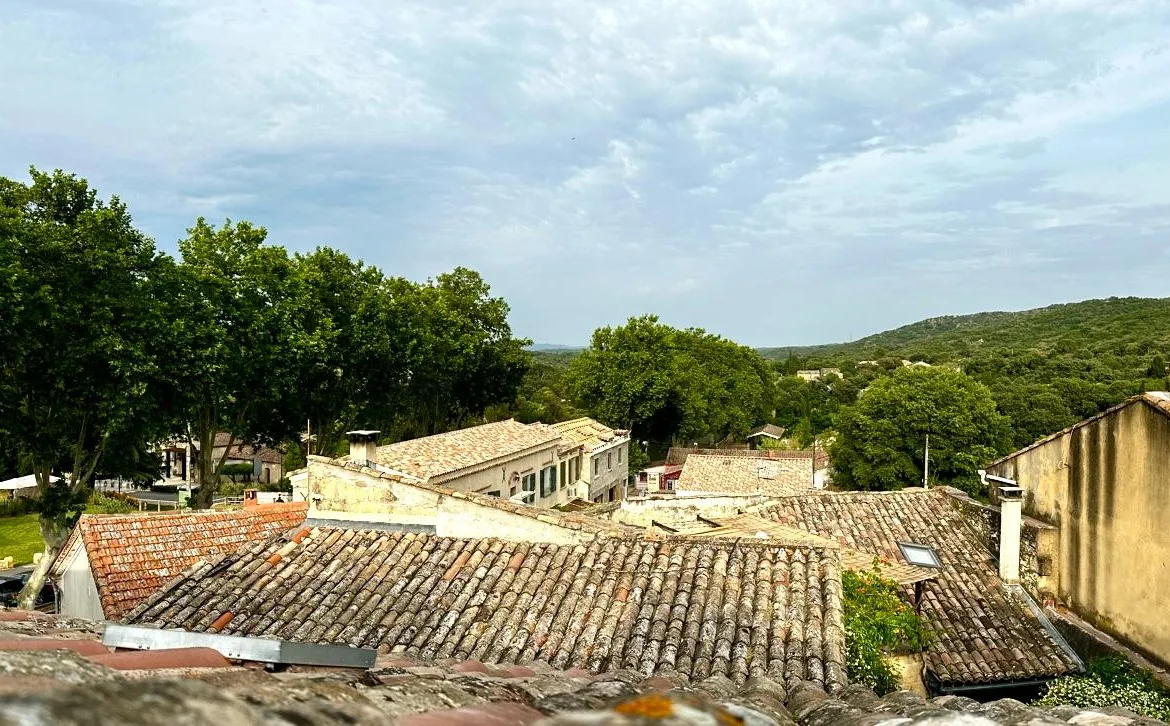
pixel 20 538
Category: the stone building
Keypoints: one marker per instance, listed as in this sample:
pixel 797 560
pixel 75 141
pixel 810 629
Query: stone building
pixel 1102 487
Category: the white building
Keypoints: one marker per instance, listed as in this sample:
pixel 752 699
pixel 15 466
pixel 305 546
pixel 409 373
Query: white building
pixel 606 458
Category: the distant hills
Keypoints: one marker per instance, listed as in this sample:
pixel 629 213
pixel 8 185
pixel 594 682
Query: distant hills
pixel 1113 325
pixel 553 347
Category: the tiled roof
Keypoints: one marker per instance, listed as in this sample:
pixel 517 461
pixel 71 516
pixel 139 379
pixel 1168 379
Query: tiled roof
pixel 677 455
pixel 1158 400
pixel 771 430
pixel 578 521
pixel 981 633
pixel 249 451
pixel 197 686
pixel 745 475
pixel 456 450
pixel 588 433
pixel 132 555
pixel 736 609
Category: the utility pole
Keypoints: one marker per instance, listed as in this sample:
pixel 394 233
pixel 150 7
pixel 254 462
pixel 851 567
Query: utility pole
pixel 814 463
pixel 926 464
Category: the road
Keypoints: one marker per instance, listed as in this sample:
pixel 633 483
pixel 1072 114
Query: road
pixel 151 497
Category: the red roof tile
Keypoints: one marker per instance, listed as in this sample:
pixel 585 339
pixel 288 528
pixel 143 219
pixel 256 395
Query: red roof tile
pixel 133 555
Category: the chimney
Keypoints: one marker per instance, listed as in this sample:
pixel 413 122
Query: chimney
pixel 1010 520
pixel 363 446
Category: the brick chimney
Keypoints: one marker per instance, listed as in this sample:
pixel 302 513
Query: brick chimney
pixel 1010 521
pixel 363 446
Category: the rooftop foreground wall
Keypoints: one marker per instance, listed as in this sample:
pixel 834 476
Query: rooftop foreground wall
pixel 1106 485
pixel 641 511
pixel 349 493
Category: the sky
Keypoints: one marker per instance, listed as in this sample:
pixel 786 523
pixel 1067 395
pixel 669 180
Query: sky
pixel 778 172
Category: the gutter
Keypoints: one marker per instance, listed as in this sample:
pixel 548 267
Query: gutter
pixel 998 685
pixel 1046 624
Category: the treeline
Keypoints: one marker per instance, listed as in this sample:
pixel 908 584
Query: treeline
pixel 109 345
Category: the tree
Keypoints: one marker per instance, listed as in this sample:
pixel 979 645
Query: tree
pixel 240 344
pixel 1034 410
pixel 79 301
pixel 881 437
pixel 1157 367
pixel 665 384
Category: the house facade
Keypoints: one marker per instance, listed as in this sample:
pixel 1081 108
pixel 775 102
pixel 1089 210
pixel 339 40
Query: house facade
pixel 1104 485
pixel 179 459
pixel 528 463
pixel 605 458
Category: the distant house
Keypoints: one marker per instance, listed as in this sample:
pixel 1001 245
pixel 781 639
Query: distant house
pixel 111 563
pixel 531 463
pixel 717 474
pixel 766 432
pixel 817 460
pixel 818 374
pixel 1103 486
pixel 660 479
pixel 606 458
pixel 267 463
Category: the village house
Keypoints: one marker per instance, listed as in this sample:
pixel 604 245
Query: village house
pixel 527 463
pixel 724 474
pixel 1103 487
pixel 659 479
pixel 178 457
pixel 766 432
pixel 112 562
pixel 818 374
pixel 606 458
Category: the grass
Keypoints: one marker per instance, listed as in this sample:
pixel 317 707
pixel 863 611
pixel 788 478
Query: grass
pixel 20 538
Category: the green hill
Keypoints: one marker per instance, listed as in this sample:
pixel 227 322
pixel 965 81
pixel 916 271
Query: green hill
pixel 1117 328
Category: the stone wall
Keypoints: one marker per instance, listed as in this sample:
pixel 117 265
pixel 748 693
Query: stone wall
pixel 641 511
pixel 1037 542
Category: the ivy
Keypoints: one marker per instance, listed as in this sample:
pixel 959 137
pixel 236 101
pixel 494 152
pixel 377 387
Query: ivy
pixel 1111 681
pixel 877 621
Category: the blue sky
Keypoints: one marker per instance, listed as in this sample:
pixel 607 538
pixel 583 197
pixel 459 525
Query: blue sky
pixel 778 172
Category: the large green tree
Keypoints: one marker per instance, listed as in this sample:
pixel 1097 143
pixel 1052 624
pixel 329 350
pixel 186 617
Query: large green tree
pixel 240 344
pixel 881 438
pixel 666 384
pixel 79 299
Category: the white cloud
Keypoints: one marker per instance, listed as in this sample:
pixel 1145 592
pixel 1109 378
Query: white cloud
pixel 753 154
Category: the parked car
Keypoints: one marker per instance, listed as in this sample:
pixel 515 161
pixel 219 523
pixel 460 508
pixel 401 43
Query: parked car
pixel 11 585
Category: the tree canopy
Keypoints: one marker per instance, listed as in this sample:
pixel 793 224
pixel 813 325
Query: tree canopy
pixel 666 384
pixel 881 439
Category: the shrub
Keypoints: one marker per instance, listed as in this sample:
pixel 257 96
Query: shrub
pixel 234 470
pixel 17 507
pixel 112 503
pixel 1112 681
pixel 877 621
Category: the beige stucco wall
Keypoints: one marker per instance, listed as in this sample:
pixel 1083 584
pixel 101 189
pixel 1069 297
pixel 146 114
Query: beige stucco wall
pixel 1106 485
pixel 78 595
pixel 359 496
pixel 611 474
pixel 505 476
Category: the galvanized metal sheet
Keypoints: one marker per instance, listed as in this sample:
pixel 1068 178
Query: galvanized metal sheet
pixel 234 647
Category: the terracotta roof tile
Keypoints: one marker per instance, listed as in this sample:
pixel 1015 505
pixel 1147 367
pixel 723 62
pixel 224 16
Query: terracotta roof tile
pixel 975 622
pixel 133 555
pixel 745 475
pixel 453 451
pixel 587 433
pixel 734 609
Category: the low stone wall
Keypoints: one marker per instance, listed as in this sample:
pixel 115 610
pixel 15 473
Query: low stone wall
pixel 641 511
pixel 1037 541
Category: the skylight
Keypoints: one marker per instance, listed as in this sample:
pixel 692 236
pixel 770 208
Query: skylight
pixel 920 555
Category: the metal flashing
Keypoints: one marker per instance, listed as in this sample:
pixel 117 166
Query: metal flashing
pixel 234 647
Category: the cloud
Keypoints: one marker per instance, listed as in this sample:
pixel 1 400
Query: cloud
pixel 778 172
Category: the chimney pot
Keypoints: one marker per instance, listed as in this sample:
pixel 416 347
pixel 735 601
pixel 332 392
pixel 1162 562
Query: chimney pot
pixel 363 446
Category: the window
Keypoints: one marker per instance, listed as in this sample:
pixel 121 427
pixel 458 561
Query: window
pixel 609 460
pixel 494 493
pixel 921 555
pixel 564 474
pixel 620 454
pixel 513 492
pixel 529 482
pixel 548 480
pixel 597 466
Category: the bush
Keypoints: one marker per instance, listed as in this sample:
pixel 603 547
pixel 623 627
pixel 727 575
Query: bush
pixel 1112 681
pixel 234 470
pixel 877 621
pixel 113 503
pixel 17 507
